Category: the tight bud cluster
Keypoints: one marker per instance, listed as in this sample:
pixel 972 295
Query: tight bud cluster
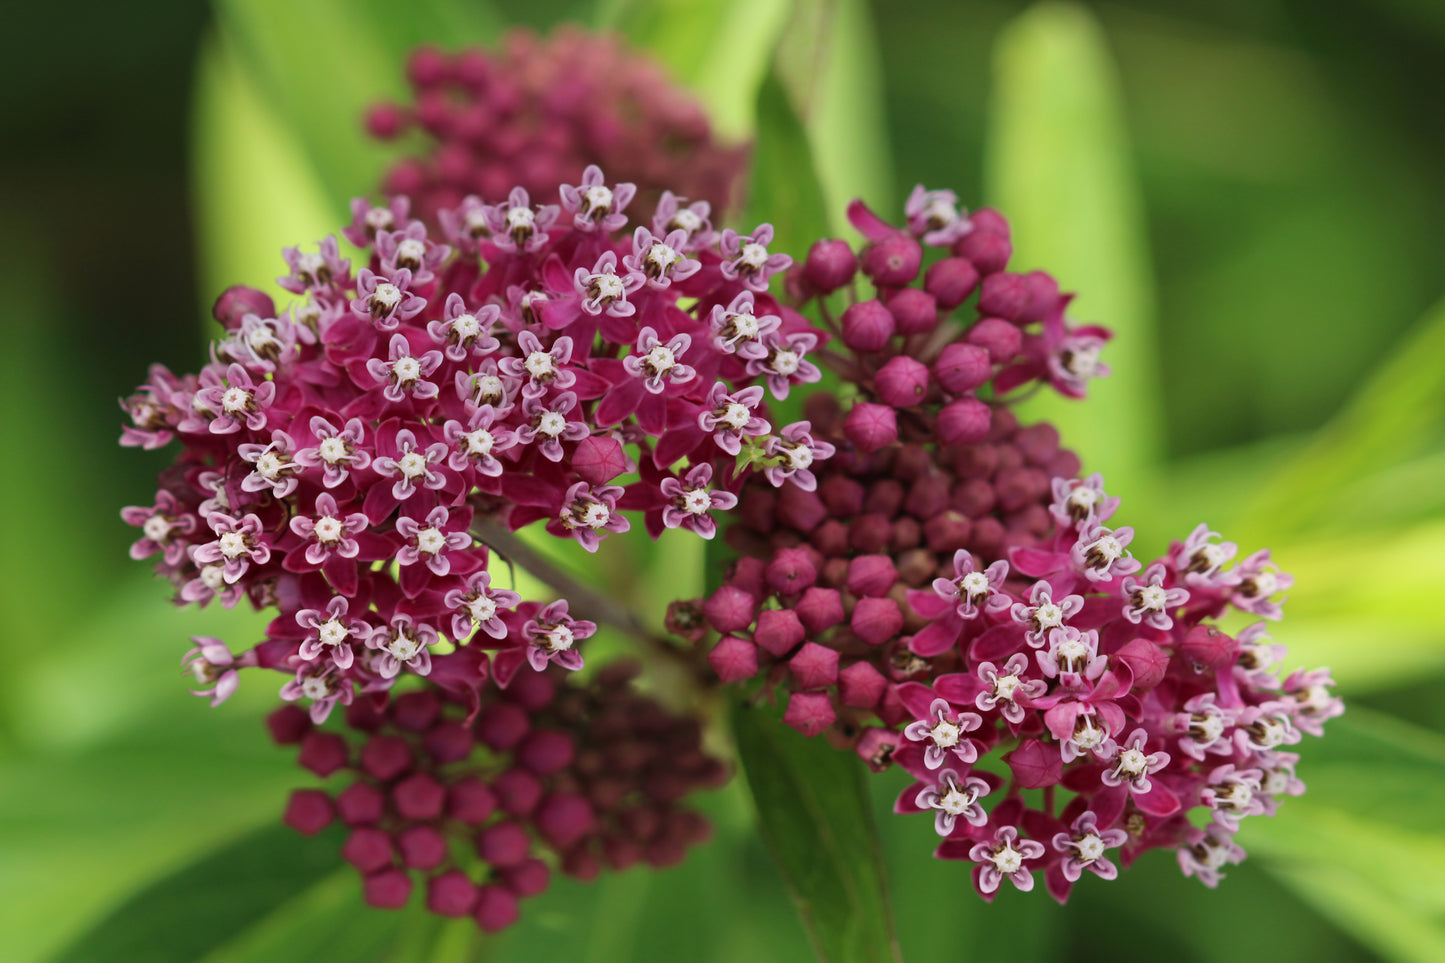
pixel 481 802
pixel 537 111
pixel 948 597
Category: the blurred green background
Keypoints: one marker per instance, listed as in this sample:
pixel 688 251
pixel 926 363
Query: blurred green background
pixel 1250 192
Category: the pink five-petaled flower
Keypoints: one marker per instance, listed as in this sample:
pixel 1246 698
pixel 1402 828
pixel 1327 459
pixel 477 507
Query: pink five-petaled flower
pixel 476 443
pixel 239 403
pixel 465 333
pixel 1072 656
pixel 337 450
pixel 1043 614
pixel 589 513
pixel 158 525
pixel 1078 500
pixel 332 633
pixel 1232 794
pixel 1005 856
pixel 944 732
pixel 515 226
pixel 603 290
pixel 275 464
pixel 1200 560
pixel 1204 853
pixel 542 368
pixel 409 248
pixel 1259 579
pixel 315 270
pixel 795 451
pixel 1131 766
pixel 1005 690
pixel 386 303
pixel 736 329
pixel 403 373
pixel 431 542
pixel 731 416
pixel 595 206
pixel 974 592
pixel 781 360
pixel 1074 361
pixel 239 542
pixel 548 425
pixel 212 665
pixel 332 533
pixel 657 363
pixel 689 500
pixel 405 642
pixel 479 605
pixel 954 798
pixel 934 217
pixel 1101 554
pixel 692 219
pixel 1084 846
pixel 661 260
pixel 323 685
pixel 1202 727
pixel 746 257
pixel 412 465
pixel 551 635
pixel 367 220
pixel 1150 602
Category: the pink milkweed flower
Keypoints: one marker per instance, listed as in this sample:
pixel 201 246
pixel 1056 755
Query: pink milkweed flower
pixel 934 217
pixel 403 643
pixel 603 290
pixel 549 426
pixel 954 797
pixel 730 416
pixel 1204 854
pixel 1149 601
pixel 386 301
pixel 1004 857
pixel 431 542
pixel 159 525
pixel 240 402
pixel 403 373
pixel 212 665
pixel 590 513
pixel 1309 694
pixel 1084 847
pixel 551 635
pixel 1006 689
pixel 476 444
pixel 1131 766
pixel 690 500
pixel 332 533
pixel 412 465
pixel 796 450
pixel 1042 614
pixel 322 685
pixel 781 360
pixel 1265 727
pixel 315 271
pixel 275 465
pixel 974 592
pixel 691 219
pixel 478 605
pixel 746 257
pixel 542 368
pixel 1200 560
pixel 367 221
pixel 1074 361
pixel 262 343
pixel 657 363
pixel 489 387
pixel 467 223
pixel 409 248
pixel 239 542
pixel 1072 656
pixel 515 225
pixel 331 634
pixel 1101 554
pixel 595 206
pixel 736 329
pixel 1078 501
pixel 1259 579
pixel 463 332
pixel 944 730
pixel 337 450
pixel 661 260
pixel 1232 794
pixel 1202 727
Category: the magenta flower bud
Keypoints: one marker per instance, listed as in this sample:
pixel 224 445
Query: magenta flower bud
pixel 915 310
pixel 1018 487
pixel 902 382
pixel 518 791
pixel 427 67
pixel 1038 443
pixel 388 889
pixel 385 757
pixel 384 121
pixel 893 261
pixel 962 367
pixel 415 711
pixel 367 849
pixel 238 301
pixel 779 630
pixel 870 426
pixel 988 535
pixel 532 691
pixel 546 751
pixel 730 609
pixel 451 894
pixel 871 575
pixel 820 609
pixel 1035 764
pixel 504 844
pixel 323 753
pixel 734 659
pixel 1043 293
pixel 308 811
pixel 800 509
pixel 360 804
pixel 861 685
pixel 842 496
pixel 815 666
pixel 364 716
pixel 528 878
pixel 1147 661
pixel 288 724
pixel 422 847
pixel 867 326
pixel 830 538
pixel 809 712
pixel 756 509
pixel 791 570
pixel 974 497
pixel 876 620
pixel 497 908
pixel 964 422
pixel 1209 647
pixel 449 741
pixel 948 531
pixel 884 497
pixel 563 819
pixel 1005 295
pixel 870 533
pixel 927 497
pixel 876 747
pixel 999 338
pixel 951 281
pixel 830 265
pixel 502 725
pixel 471 801
pixel 598 459
pixel 988 220
pixel 988 251
pixel 418 797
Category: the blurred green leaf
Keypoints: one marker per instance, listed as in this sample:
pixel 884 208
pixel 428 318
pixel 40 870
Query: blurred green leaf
pixel 185 915
pixel 1059 168
pixel 816 819
pixel 778 193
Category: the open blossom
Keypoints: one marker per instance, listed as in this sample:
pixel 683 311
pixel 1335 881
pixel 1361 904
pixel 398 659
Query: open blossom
pixel 212 665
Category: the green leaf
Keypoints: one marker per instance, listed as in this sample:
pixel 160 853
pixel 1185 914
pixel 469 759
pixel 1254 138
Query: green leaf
pixel 1059 167
pixel 784 189
pixel 815 817
pixel 185 915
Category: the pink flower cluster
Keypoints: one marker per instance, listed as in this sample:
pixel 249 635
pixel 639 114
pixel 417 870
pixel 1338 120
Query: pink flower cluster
pixel 339 456
pixel 949 596
pixel 482 803
pixel 538 110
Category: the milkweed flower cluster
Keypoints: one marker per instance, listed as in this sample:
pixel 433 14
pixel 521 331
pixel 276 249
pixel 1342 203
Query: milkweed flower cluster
pixel 537 111
pixel 948 595
pixel 480 803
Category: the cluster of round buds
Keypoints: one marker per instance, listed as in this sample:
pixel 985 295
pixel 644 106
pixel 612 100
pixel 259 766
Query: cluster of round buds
pixel 541 363
pixel 538 110
pixel 950 598
pixel 482 803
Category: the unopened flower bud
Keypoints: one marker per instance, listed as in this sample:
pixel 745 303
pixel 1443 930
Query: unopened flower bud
pixel 730 609
pixel 599 458
pixel 861 685
pixel 914 310
pixel 876 620
pixel 871 575
pixel 963 367
pixel 809 712
pixel 820 609
pixel 951 281
pixel 830 265
pixel 867 326
pixel 734 659
pixel 871 426
pixel 964 422
pixel 308 811
pixel 893 261
pixel 388 889
pixel 779 630
pixel 902 382
pixel 451 894
pixel 238 301
pixel 792 570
